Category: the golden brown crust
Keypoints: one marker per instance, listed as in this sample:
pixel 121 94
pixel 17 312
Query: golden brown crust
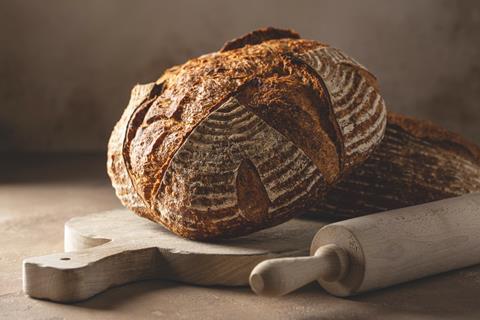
pixel 116 162
pixel 252 197
pixel 259 114
pixel 190 92
pixel 417 162
pixel 295 103
pixel 202 180
pixel 259 36
pixel 428 131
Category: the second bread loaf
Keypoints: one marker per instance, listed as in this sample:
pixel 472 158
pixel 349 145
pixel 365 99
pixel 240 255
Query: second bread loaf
pixel 417 162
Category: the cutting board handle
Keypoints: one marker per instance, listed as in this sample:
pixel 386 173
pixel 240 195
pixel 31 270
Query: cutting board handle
pixel 74 276
pixel 276 277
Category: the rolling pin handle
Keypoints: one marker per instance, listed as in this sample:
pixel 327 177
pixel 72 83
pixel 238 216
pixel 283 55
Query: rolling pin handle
pixel 277 277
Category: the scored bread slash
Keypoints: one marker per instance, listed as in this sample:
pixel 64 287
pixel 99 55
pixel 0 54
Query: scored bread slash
pixel 357 105
pixel 245 138
pixel 216 151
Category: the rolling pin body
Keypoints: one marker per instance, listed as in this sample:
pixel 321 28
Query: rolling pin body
pixel 393 247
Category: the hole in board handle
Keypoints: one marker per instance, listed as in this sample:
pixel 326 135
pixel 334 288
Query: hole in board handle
pixel 64 259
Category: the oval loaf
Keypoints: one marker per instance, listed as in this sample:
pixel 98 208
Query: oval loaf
pixel 416 162
pixel 245 138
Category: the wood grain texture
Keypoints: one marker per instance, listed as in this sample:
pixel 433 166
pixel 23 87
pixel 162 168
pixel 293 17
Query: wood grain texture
pixel 279 276
pixel 272 117
pixel 404 244
pixel 115 247
pixel 417 162
pixel 380 250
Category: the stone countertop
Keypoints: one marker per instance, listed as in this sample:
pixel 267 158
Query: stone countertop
pixel 39 193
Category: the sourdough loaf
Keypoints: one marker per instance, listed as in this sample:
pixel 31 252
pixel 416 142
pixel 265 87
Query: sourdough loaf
pixel 244 138
pixel 416 162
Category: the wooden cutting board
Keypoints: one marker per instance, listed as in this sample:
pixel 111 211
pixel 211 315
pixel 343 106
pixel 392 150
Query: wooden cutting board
pixel 116 247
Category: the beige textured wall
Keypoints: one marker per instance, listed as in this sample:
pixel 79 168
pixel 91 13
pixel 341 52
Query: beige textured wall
pixel 67 67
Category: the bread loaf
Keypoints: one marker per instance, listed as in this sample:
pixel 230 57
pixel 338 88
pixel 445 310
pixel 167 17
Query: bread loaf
pixel 416 162
pixel 244 138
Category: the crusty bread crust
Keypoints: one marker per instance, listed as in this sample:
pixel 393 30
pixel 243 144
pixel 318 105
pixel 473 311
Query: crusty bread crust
pixel 417 162
pixel 270 118
pixel 259 36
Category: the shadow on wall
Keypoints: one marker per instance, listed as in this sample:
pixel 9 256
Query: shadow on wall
pixel 66 68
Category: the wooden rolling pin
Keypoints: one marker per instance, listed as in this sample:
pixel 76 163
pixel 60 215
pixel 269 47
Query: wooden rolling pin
pixel 381 250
